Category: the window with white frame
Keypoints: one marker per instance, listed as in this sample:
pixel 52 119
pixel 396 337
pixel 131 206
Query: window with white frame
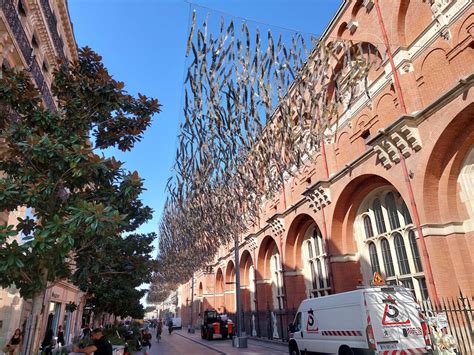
pixel 315 263
pixel 387 241
pixel 277 279
pixel 466 183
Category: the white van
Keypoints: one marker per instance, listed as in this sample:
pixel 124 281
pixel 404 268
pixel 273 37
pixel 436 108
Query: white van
pixel 375 320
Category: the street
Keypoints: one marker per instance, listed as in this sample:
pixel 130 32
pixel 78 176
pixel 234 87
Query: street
pixel 181 342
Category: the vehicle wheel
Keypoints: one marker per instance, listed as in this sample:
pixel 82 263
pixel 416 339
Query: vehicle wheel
pixel 203 334
pixel 345 350
pixel 294 349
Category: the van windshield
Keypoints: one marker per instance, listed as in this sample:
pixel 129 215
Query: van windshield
pixel 297 323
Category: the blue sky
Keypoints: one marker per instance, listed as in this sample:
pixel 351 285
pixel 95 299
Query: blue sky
pixel 143 43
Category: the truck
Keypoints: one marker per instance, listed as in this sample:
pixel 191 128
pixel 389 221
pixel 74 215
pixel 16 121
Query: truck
pixel 374 320
pixel 215 323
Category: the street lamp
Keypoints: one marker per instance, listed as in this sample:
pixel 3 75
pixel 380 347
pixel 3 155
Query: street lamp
pixel 238 341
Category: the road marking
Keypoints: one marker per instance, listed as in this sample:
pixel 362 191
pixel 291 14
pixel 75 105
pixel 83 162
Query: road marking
pixel 206 346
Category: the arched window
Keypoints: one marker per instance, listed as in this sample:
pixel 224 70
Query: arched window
pixel 277 280
pixel 369 232
pixel 314 263
pixel 379 220
pixel 392 211
pixel 403 265
pixel 406 213
pixel 415 252
pixel 394 242
pixel 374 259
pixel 387 258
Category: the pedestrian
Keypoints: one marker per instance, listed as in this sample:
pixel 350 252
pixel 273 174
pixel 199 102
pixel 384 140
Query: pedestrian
pixel 14 345
pixel 199 321
pixel 101 345
pixel 170 326
pixel 86 331
pixel 159 330
pixel 146 341
pixel 60 335
pixel 48 342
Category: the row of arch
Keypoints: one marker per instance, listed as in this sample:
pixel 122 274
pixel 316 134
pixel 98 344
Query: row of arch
pixel 380 232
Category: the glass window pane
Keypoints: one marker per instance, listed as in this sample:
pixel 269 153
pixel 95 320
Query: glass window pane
pixel 409 284
pixel 310 249
pixel 374 259
pixel 379 221
pixel 387 259
pixel 316 237
pixel 392 211
pixel 369 233
pixel 423 288
pixel 415 252
pixel 406 214
pixel 320 274
pixel 402 257
pixel 314 281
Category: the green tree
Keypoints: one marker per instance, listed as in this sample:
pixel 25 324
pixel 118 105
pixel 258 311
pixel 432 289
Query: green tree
pixel 111 271
pixel 52 164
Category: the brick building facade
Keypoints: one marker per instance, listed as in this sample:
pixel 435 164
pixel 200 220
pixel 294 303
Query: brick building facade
pixel 394 190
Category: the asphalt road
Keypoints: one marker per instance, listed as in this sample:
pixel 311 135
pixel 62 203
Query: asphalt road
pixel 181 342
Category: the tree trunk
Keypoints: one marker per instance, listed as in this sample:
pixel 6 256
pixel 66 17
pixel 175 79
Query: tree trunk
pixel 34 336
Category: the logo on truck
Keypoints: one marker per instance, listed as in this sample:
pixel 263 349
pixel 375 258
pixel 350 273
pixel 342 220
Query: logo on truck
pixel 392 314
pixel 312 323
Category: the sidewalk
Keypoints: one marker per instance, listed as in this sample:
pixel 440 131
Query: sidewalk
pixel 182 342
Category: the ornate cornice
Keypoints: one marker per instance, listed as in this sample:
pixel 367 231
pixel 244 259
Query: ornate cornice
pixel 39 26
pixel 67 26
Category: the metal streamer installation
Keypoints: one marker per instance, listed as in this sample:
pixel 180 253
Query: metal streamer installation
pixel 256 108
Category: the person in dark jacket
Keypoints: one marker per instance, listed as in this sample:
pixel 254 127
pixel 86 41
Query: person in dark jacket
pixel 101 345
pixel 61 341
pixel 48 342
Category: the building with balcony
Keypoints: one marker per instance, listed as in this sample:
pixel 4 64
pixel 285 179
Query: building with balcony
pixel 393 192
pixel 34 34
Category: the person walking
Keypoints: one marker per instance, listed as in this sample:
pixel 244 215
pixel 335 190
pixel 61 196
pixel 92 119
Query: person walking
pixel 170 326
pixel 14 345
pixel 60 335
pixel 48 342
pixel 159 330
pixel 146 341
pixel 101 345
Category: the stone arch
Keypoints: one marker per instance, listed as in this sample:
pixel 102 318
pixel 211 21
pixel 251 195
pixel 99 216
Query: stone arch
pixel 446 159
pixel 271 274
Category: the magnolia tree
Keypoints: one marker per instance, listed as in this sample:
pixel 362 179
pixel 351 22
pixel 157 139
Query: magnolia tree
pixel 81 202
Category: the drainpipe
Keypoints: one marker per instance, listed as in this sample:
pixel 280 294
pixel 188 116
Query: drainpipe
pixel 424 250
pixel 325 230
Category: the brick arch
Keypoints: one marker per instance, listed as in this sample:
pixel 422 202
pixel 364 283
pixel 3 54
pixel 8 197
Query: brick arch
pixel 356 8
pixel 245 262
pixel 440 188
pixel 294 240
pixel 230 275
pixel 437 75
pixel 347 274
pixel 219 281
pixel 413 18
pixel 402 13
pixel 341 30
pixel 386 109
pixel 264 254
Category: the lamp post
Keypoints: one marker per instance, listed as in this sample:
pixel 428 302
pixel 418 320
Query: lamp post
pixel 238 341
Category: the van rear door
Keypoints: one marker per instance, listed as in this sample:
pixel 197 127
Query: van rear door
pixel 395 320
